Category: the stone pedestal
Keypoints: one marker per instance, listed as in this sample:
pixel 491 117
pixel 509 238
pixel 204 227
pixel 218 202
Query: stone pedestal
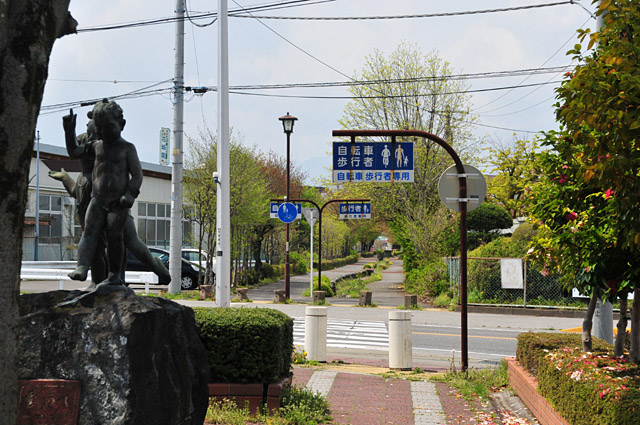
pixel 139 359
pixel 206 292
pixel 410 301
pixel 279 296
pixel 365 298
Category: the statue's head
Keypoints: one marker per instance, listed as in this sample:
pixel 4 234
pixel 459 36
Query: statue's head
pixel 108 119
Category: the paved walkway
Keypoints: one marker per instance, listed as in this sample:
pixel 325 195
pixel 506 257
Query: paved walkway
pixel 363 399
pixel 387 292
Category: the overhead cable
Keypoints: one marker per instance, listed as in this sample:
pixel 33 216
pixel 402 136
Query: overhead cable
pixel 412 16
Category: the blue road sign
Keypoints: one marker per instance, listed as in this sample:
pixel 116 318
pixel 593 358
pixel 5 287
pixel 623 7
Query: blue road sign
pixel 373 162
pixel 360 210
pixel 273 209
pixel 287 212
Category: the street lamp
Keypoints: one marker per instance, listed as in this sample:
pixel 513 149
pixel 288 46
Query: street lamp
pixel 287 125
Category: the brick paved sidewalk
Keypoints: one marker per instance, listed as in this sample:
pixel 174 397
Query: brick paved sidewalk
pixel 363 399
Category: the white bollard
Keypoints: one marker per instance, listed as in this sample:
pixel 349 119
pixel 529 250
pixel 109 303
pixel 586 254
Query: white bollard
pixel 400 355
pixel 146 287
pixel 61 285
pixel 315 333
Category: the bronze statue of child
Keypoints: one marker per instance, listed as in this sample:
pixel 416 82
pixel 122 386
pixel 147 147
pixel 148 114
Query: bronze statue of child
pixel 116 179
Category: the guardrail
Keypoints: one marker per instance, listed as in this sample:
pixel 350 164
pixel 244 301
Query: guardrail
pixel 61 275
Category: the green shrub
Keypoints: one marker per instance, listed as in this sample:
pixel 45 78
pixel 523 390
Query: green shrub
pixel 532 346
pixel 592 388
pixel 429 280
pixel 367 254
pixel 278 270
pixel 246 345
pixel 267 270
pixel 325 286
pixel 368 266
pixel 247 277
pixel 300 406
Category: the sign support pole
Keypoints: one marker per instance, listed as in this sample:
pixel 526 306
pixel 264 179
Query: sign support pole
pixel 463 215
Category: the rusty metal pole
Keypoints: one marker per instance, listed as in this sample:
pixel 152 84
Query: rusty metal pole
pixel 463 215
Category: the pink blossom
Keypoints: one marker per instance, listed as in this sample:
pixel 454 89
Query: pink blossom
pixel 608 194
pixel 563 179
pixel 570 216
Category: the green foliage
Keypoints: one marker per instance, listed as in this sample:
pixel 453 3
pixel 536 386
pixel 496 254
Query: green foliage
pixel 589 193
pixel 476 382
pixel 489 218
pixel 247 278
pixel 325 286
pixel 429 280
pixel 299 261
pixel 337 262
pixel 301 406
pixel 367 254
pixel 585 388
pixel 267 271
pixel 515 173
pixel 533 346
pixel 246 345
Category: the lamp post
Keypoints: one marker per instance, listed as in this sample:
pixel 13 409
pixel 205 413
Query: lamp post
pixel 287 125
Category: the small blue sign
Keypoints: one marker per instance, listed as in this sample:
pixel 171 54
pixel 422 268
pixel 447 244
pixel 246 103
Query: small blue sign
pixel 287 212
pixel 273 209
pixel 355 211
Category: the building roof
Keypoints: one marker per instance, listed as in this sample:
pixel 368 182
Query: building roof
pixel 56 158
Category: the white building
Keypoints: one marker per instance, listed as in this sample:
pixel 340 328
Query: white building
pixel 59 229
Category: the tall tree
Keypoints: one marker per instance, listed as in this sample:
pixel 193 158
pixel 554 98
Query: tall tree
pixel 28 29
pixel 590 180
pixel 514 165
pixel 411 90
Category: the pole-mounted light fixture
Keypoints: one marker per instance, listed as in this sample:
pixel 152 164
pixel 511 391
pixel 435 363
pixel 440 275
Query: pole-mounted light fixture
pixel 287 123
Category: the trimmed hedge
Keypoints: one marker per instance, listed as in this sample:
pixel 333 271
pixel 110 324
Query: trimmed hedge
pixel 337 262
pixel 592 388
pixel 246 345
pixel 533 346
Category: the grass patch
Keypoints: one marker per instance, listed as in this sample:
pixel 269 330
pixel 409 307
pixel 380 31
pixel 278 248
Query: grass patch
pixel 298 407
pixel 476 383
pixel 184 295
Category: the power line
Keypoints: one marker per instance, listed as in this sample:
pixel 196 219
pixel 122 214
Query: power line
pixel 204 15
pixel 382 96
pixel 413 16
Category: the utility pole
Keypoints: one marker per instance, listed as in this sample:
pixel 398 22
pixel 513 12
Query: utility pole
pixel 223 235
pixel 603 315
pixel 37 228
pixel 175 238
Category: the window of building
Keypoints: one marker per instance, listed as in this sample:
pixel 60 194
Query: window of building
pixel 50 211
pixel 154 221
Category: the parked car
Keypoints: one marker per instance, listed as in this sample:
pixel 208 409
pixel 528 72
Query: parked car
pixel 190 273
pixel 199 258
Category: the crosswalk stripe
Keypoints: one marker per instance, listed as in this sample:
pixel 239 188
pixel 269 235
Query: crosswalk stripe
pixel 343 333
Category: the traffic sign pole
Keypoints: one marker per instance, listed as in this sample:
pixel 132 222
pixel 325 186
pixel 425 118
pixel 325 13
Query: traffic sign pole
pixel 463 215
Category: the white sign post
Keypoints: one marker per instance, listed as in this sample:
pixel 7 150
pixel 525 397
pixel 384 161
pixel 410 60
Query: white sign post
pixel 311 214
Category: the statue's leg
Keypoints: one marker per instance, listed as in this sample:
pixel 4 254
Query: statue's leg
pixel 99 262
pixel 141 251
pixel 94 223
pixel 116 219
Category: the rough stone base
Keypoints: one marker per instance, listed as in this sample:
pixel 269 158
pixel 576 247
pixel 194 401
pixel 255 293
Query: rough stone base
pixel 139 359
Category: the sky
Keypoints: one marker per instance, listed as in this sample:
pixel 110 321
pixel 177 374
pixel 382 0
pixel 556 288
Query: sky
pixel 96 64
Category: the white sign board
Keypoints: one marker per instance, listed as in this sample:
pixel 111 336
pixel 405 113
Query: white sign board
pixel 165 138
pixel 511 273
pixel 273 209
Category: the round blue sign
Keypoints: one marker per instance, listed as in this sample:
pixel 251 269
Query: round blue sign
pixel 287 212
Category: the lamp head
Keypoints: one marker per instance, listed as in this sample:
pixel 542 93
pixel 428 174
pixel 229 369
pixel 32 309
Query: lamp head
pixel 287 123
